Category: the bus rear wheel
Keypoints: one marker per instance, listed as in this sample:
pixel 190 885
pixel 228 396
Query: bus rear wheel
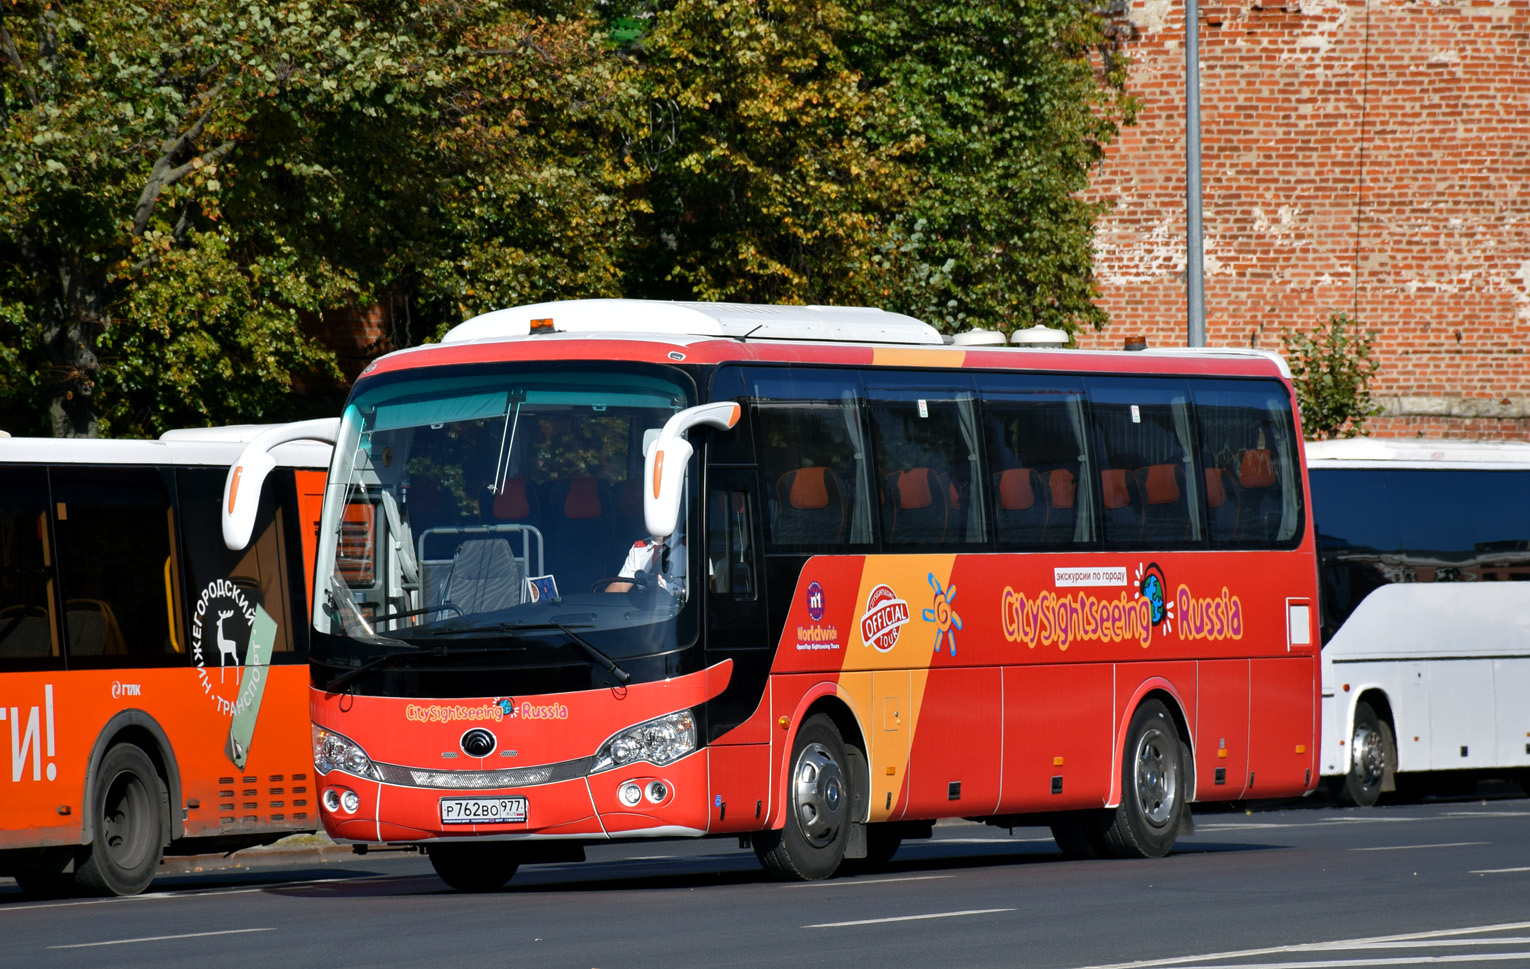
pixel 469 867
pixel 1369 751
pixel 1152 786
pixel 128 815
pixel 812 844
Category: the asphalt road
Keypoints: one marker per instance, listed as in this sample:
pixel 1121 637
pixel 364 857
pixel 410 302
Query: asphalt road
pixel 1300 886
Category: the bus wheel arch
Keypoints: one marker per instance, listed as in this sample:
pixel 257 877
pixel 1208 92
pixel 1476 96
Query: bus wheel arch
pixel 1157 780
pixel 129 808
pixel 143 731
pixel 1160 691
pixel 1371 757
pixel 819 798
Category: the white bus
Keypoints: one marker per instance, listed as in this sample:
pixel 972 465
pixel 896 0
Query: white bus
pixel 1424 550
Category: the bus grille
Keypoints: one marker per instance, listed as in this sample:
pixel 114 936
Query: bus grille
pixel 275 801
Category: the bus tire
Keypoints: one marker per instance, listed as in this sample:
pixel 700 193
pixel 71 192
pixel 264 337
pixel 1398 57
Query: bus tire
pixel 128 815
pixel 1152 786
pixel 1081 834
pixel 474 867
pixel 1369 751
pixel 812 843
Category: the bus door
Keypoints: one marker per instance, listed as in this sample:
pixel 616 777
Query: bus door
pixel 738 633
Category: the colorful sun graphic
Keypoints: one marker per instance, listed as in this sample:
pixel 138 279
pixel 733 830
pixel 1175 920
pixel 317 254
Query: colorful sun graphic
pixel 1152 587
pixel 947 622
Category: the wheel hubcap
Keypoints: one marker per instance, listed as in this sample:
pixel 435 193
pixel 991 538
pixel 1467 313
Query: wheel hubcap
pixel 1369 758
pixel 1157 777
pixel 819 792
pixel 125 821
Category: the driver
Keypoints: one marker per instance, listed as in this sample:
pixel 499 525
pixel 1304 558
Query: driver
pixel 661 561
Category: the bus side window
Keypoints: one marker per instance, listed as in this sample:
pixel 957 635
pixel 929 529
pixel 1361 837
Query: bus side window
pixel 28 632
pixel 211 571
pixel 1149 492
pixel 925 437
pixel 812 454
pixel 730 560
pixel 113 527
pixel 1253 494
pixel 1038 461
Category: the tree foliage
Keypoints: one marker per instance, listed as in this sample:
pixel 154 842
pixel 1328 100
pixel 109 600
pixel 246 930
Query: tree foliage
pixel 189 185
pixel 186 185
pixel 925 157
pixel 1331 368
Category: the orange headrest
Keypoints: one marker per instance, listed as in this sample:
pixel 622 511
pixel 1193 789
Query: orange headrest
pixel 1113 483
pixel 914 489
pixel 583 499
pixel 1061 483
pixel 1015 492
pixel 511 502
pixel 1216 491
pixel 809 489
pixel 1162 486
pixel 1256 470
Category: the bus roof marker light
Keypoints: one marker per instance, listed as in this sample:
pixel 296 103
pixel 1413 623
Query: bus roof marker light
pixel 661 500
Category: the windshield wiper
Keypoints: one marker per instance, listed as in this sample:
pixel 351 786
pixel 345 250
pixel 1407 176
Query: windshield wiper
pixel 600 659
pixel 376 663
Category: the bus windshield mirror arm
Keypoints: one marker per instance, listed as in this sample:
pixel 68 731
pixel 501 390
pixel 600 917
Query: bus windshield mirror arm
pixel 661 491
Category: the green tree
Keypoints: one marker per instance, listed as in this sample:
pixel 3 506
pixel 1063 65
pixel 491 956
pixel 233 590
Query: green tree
pixel 1332 368
pixel 926 157
pixel 186 184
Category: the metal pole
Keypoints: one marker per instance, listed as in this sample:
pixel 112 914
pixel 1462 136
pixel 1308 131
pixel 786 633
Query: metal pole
pixel 1195 279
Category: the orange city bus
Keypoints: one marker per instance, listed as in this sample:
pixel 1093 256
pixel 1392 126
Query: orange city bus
pixel 152 683
pixel 809 576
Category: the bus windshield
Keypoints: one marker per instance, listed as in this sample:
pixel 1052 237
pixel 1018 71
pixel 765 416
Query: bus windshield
pixel 500 503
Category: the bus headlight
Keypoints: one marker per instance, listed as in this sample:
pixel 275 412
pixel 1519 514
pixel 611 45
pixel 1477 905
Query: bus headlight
pixel 331 751
pixel 662 740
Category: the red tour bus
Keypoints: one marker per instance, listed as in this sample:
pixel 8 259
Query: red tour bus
pixel 152 683
pixel 621 569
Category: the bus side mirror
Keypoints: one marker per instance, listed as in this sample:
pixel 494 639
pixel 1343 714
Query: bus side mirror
pixel 665 463
pixel 241 490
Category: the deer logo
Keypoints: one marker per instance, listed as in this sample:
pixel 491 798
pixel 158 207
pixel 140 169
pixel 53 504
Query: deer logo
pixel 226 648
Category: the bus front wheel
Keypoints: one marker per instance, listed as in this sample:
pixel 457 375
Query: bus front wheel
pixel 1370 748
pixel 128 812
pixel 812 844
pixel 1152 786
pixel 470 867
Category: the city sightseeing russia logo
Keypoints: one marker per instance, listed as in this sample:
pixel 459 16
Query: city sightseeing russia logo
pixel 885 617
pixel 947 622
pixel 1152 587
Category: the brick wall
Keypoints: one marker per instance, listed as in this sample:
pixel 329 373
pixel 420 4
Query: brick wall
pixel 1371 159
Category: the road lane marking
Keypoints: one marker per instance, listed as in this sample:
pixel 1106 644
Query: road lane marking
pixel 1498 871
pixel 908 918
pixel 159 938
pixel 1358 963
pixel 851 882
pixel 1200 960
pixel 1000 840
pixel 1451 844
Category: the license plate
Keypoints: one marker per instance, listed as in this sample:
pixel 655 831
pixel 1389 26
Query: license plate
pixel 482 810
